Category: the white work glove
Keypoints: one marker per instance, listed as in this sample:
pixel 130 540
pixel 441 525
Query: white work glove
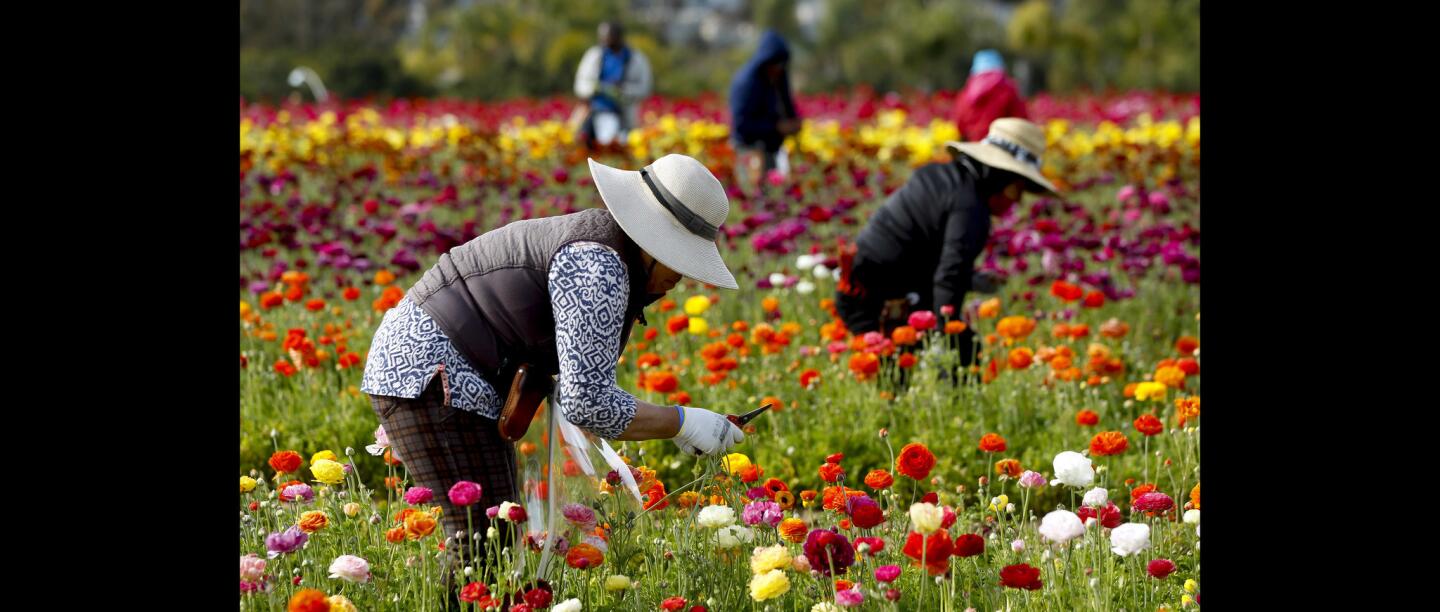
pixel 705 433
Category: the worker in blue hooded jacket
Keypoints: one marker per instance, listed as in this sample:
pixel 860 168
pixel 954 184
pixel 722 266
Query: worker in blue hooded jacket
pixel 762 111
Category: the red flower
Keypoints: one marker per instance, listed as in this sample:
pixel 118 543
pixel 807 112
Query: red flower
pixel 907 361
pixel 992 443
pixel 350 294
pixel 876 544
pixel 1020 576
pixel 835 458
pixel 1187 344
pixel 651 333
pixel 1154 502
pixel 969 545
pixel 677 323
pixel 673 603
pixel 931 497
pixel 1109 516
pixel 809 376
pixel 915 461
pixel 538 598
pixel 473 592
pixel 1160 568
pixel 284 367
pixel 1068 292
pixel 1189 366
pixel 867 515
pixel 937 549
pixel 1086 417
pixel 831 471
pixel 1149 425
pixel 315 304
pixel 879 479
pixel 1108 443
pixel 1094 299
pixel 285 462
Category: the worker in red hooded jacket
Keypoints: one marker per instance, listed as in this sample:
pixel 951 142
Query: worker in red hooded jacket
pixel 988 95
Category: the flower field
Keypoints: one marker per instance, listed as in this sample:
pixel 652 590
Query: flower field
pixel 1065 474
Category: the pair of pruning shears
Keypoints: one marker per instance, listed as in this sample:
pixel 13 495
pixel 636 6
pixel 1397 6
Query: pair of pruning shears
pixel 740 420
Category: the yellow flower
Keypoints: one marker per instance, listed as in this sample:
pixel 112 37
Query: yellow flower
pixel 339 603
pixel 768 558
pixel 1149 390
pixel 769 585
pixel 327 471
pixel 996 503
pixel 734 462
pixel 324 454
pixel 1170 376
pixel 1191 585
pixel 617 583
pixel 926 517
pixel 247 484
pixel 351 509
pixel 696 305
pixel 698 326
pixel 1186 600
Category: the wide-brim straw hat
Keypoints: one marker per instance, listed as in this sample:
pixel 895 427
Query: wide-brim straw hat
pixel 1015 145
pixel 673 209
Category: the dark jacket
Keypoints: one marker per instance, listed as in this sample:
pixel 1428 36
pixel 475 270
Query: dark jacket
pixel 925 238
pixel 491 296
pixel 757 106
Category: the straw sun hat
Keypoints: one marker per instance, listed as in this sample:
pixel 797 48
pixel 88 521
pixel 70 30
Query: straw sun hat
pixel 673 209
pixel 1013 144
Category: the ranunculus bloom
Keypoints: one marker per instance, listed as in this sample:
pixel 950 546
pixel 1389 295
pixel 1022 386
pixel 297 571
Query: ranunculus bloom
pixel 569 605
pixel 866 513
pixel 247 484
pixel 849 598
pixel 1020 576
pixel 915 461
pixel 350 568
pixel 584 556
pixel 793 529
pixel 327 471
pixel 1008 467
pixel 875 545
pixel 887 573
pixel 672 603
pixel 418 495
pixel 769 585
pixel 922 320
pixel 926 517
pixel 1073 469
pixel 1020 358
pixel 830 471
pixel 992 443
pixel 465 493
pixel 1149 425
pixel 1109 516
pixel 764 511
pixel 879 479
pixel 419 525
pixel 308 600
pixel 715 517
pixel 472 592
pixel 733 536
pixel 1160 568
pixel 828 550
pixel 252 568
pixel 903 336
pixel 1096 497
pixel 1086 417
pixel 968 545
pixel 1031 479
pixel 932 552
pixel 285 462
pixel 285 542
pixel 1129 539
pixel 1108 443
pixel 298 490
pixel 1061 526
pixel 766 558
pixel 311 522
pixel 1154 502
pixel 617 582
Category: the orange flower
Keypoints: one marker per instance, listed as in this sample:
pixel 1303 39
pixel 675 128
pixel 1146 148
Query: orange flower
pixel 1108 443
pixel 808 496
pixel 1114 328
pixel 762 334
pixel 384 277
pixel 1149 425
pixel 309 600
pixel 1015 328
pixel 1079 330
pixel 828 305
pixel 527 448
pixel 735 340
pixel 1130 390
pixel 1020 358
pixel 654 496
pixel 1061 330
pixel 1086 417
pixel 687 499
pixel 1187 345
pixel 403 514
pixel 584 556
pixel 419 525
pixel 751 473
pixel 1195 497
pixel 830 471
pixel 907 361
pixel 833 500
pixel 954 327
pixel 770 304
pixel 992 443
pixel 845 524
pixel 677 323
pixel 661 381
pixel 786 499
pixel 990 308
pixel 793 529
pixel 392 482
pixel 843 585
pixel 879 479
pixel 1170 376
pixel 1187 408
pixel 1008 467
pixel 1068 374
pixel 285 462
pixel 779 405
pixel 395 535
pixel 647 360
pixel 667 305
pixel 651 334
pixel 864 365
pixel 740 326
pixel 271 299
pixel 915 461
pixel 834 330
pixel 390 458
pixel 1069 292
pixel 1060 362
pixel 315 304
pixel 311 522
pixel 904 336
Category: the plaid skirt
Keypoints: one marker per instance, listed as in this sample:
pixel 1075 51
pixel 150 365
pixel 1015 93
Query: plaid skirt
pixel 440 446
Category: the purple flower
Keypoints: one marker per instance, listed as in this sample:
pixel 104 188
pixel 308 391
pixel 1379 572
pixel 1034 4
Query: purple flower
pixel 287 542
pixel 764 511
pixel 464 493
pixel 418 495
pixel 301 492
pixel 887 573
pixel 259 286
pixel 825 548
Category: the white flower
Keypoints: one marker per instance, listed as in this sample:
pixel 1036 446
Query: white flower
pixel 569 605
pixel 1072 468
pixel 1192 516
pixel 1061 526
pixel 1096 497
pixel 821 271
pixel 350 568
pixel 1017 545
pixel 505 510
pixel 824 606
pixel 835 274
pixel 716 516
pixel 807 261
pixel 926 517
pixel 491 533
pixel 733 536
pixel 805 287
pixel 1129 539
pixel 777 279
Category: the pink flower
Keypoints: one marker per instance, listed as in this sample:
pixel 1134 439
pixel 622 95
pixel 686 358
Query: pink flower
pixel 764 511
pixel 580 516
pixel 947 310
pixel 1126 193
pixel 850 598
pixel 252 568
pixel 492 512
pixel 350 568
pixel 837 346
pixel 1160 568
pixel 922 320
pixel 1031 479
pixel 876 545
pixel 464 493
pixel 1154 502
pixel 418 495
pixel 887 573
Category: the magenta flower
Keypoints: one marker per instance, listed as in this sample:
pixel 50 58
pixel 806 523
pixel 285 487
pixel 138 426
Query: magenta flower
pixel 827 548
pixel 1160 568
pixel 418 495
pixel 764 511
pixel 922 320
pixel 887 573
pixel 492 512
pixel 464 493
pixel 850 598
pixel 1154 502
pixel 287 542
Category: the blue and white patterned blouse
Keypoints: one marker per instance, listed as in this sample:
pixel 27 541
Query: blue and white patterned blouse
pixel 589 292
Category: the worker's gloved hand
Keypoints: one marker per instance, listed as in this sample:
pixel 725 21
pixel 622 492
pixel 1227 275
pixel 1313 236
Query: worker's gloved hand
pixel 985 281
pixel 704 432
